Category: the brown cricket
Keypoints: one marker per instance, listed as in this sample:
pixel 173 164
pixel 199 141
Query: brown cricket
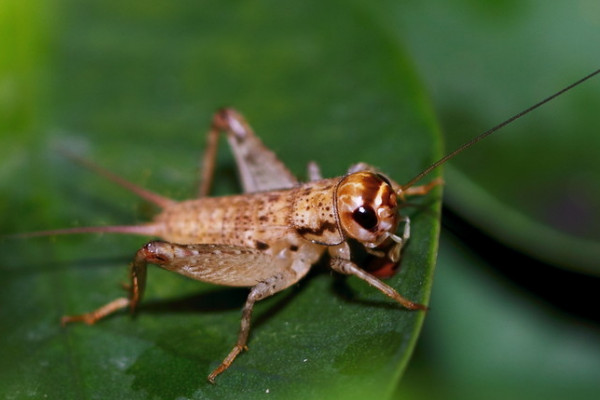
pixel 268 238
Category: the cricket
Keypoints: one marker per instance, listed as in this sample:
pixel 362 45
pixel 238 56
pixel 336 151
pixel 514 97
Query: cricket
pixel 268 237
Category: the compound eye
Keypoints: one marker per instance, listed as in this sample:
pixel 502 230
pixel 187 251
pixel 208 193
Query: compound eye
pixel 365 216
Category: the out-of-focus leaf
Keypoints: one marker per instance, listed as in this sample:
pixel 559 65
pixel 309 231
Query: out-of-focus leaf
pixel 492 339
pixel 484 62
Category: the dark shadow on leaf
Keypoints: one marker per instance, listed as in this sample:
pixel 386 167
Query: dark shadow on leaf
pixel 285 298
pixel 222 299
pixel 573 293
pixel 341 289
pixel 219 299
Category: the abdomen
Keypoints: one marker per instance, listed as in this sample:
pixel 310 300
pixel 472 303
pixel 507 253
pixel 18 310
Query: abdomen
pixel 250 220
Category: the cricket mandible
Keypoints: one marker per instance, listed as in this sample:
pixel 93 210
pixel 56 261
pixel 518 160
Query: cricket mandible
pixel 268 238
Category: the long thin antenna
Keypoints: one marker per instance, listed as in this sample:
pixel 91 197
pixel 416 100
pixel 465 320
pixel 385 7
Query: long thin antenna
pixel 492 130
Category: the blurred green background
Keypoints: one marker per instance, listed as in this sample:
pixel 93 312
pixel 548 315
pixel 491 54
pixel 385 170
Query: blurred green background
pixel 132 85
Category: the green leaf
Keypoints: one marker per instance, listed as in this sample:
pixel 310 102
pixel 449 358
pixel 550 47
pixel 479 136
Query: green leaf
pixel 497 340
pixel 133 86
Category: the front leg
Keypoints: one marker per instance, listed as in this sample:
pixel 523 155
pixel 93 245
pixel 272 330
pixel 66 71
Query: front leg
pixel 341 263
pixel 258 292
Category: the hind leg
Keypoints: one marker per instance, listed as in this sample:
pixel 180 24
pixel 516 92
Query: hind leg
pixel 258 167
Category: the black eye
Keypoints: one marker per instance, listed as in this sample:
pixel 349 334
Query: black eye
pixel 365 216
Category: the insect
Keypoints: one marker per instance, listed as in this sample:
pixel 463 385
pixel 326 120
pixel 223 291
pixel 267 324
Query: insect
pixel 268 238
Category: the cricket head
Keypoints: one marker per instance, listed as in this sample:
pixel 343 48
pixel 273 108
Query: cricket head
pixel 367 207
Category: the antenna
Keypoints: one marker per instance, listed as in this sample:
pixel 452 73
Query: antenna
pixel 485 134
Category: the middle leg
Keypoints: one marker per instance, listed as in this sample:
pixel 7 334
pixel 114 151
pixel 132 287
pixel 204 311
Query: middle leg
pixel 258 292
